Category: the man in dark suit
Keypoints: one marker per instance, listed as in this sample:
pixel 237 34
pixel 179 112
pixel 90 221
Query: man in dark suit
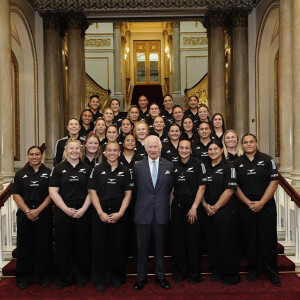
pixel 153 178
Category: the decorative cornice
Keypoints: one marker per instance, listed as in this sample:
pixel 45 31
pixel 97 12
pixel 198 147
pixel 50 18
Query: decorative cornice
pixel 195 41
pixel 116 5
pixel 97 43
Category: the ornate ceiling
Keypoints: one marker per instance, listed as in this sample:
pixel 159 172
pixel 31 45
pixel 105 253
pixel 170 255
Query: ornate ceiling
pixel 142 10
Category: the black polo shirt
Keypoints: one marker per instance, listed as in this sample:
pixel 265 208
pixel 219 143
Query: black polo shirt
pixel 164 138
pixel 71 181
pixel 117 121
pixel 110 185
pixel 140 149
pixel 188 177
pixel 135 158
pixel 92 163
pixel 192 139
pixel 168 117
pixel 60 148
pixel 144 115
pixel 254 176
pixel 219 178
pixel 201 152
pixel 32 186
pixel 194 117
pixel 231 157
pixel 170 153
pixel 97 115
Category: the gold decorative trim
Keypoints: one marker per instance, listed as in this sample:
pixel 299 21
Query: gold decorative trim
pixel 97 42
pixel 200 90
pixel 195 41
pixel 16 78
pixel 276 105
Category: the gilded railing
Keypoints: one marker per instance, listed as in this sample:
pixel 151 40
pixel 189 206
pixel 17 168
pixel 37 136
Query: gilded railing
pixel 200 89
pixel 93 88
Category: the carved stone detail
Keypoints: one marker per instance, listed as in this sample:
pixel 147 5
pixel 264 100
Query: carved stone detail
pixel 97 42
pixel 216 18
pixel 195 41
pixel 240 19
pixel 76 20
pixel 51 21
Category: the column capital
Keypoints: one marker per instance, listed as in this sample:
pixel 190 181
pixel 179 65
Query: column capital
pixel 215 19
pixel 76 20
pixel 175 24
pixel 240 18
pixel 51 21
pixel 117 25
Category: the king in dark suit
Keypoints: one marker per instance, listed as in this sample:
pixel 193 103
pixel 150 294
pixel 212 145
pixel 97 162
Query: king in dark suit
pixel 153 178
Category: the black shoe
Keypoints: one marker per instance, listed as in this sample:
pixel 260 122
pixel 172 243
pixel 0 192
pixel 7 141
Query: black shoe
pixel 100 287
pixel 177 279
pixel 61 284
pixel 276 281
pixel 139 284
pixel 215 277
pixel 23 285
pixel 163 283
pixel 82 283
pixel 252 277
pixel 230 281
pixel 46 282
pixel 116 284
pixel 193 280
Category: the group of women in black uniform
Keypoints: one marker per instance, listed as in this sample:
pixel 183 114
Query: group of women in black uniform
pixel 222 200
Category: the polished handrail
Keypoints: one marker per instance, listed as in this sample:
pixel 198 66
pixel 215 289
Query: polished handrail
pixel 289 190
pixel 6 193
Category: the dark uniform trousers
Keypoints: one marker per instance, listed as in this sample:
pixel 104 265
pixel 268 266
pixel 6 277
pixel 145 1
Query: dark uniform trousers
pixel 144 232
pixel 72 245
pixel 259 238
pixel 185 239
pixel 109 245
pixel 222 243
pixel 35 244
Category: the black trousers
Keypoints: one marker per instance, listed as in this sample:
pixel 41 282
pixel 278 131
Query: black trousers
pixel 144 233
pixel 35 246
pixel 185 240
pixel 109 245
pixel 259 238
pixel 222 244
pixel 72 246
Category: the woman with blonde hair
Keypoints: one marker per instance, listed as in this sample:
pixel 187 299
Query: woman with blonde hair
pixel 232 145
pixel 93 153
pixel 141 131
pixel 72 216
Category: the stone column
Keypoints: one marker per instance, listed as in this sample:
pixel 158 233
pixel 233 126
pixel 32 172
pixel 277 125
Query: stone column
pixel 74 24
pixel 6 97
pixel 52 83
pixel 285 87
pixel 85 26
pixel 240 80
pixel 117 64
pixel 217 62
pixel 296 94
pixel 177 97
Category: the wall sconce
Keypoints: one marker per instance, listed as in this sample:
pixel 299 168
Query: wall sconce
pixel 126 53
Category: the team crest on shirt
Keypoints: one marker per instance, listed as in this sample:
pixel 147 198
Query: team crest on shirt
pixel 168 151
pixel 219 171
pixel 74 178
pixel 198 147
pixel 204 154
pixel 174 159
pixel 44 175
pixel 82 171
pixel 261 163
pixel 209 178
pixel 181 178
pixel 251 172
pixel 111 181
pixel 103 173
pixel 190 170
pixel 120 174
pixel 34 183
pixel 165 140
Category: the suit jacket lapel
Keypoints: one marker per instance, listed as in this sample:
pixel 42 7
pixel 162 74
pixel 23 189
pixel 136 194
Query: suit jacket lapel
pixel 147 169
pixel 161 170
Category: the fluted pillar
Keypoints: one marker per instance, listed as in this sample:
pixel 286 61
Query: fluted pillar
pixel 75 61
pixel 240 78
pixel 296 94
pixel 6 97
pixel 285 87
pixel 177 97
pixel 52 83
pixel 217 62
pixel 117 64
